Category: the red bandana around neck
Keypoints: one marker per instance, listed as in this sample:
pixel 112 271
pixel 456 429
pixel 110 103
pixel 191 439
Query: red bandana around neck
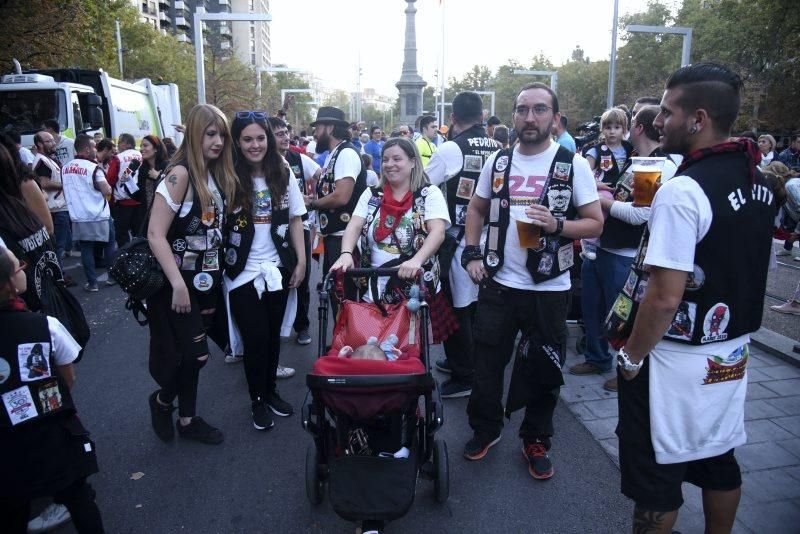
pixel 13 304
pixel 747 146
pixel 392 212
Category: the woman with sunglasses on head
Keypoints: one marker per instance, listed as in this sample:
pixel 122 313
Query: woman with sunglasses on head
pixel 265 258
pixel 185 235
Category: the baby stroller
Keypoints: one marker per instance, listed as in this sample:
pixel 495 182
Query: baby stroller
pixel 372 435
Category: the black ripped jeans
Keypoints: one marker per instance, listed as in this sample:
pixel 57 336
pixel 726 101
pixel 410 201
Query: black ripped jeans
pixel 179 345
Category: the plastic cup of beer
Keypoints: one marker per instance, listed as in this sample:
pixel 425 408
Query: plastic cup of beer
pixel 528 232
pixel 646 178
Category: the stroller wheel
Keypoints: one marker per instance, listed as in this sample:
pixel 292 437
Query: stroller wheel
pixel 580 345
pixel 441 466
pixel 313 482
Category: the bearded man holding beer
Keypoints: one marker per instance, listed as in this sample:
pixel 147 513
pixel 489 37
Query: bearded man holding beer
pixel 523 274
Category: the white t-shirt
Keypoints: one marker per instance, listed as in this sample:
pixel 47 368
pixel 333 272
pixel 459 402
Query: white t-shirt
pixel 445 163
pixel 690 419
pixel 384 251
pixel 348 165
pixel 65 348
pixel 65 150
pixel 527 176
pixel 372 178
pixel 263 248
pixel 187 205
pixel 26 156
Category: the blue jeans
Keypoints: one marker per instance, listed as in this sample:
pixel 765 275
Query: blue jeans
pixel 61 229
pixel 601 281
pixel 87 254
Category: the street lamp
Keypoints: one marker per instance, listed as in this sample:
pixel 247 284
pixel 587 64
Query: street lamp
pixel 200 16
pixel 638 28
pixel 490 93
pixel 552 73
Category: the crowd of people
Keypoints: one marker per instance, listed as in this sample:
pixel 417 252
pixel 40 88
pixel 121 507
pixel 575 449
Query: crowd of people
pixel 497 220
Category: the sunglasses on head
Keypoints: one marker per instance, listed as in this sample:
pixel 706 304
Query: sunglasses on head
pixel 251 115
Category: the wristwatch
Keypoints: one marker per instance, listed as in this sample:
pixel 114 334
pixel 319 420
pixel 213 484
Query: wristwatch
pixel 559 226
pixel 625 362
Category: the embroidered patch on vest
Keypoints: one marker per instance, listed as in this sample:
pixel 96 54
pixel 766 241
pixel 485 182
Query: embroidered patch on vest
pixel 561 171
pixel 34 363
pixel 203 282
pixel 19 405
pixel 50 397
pixel 5 370
pixel 715 323
pixel 501 163
pixel 466 186
pixel 683 323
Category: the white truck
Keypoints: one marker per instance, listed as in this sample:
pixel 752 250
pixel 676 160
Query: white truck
pixel 88 101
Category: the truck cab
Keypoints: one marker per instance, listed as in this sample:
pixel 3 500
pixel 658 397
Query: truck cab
pixel 27 100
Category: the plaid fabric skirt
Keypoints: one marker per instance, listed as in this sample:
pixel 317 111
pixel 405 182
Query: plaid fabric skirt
pixel 443 320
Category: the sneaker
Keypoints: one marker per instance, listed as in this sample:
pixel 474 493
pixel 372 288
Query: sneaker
pixel 452 389
pixel 443 365
pixel 539 465
pixel 230 358
pixel 585 368
pixel 199 430
pixel 610 384
pixel 90 287
pixel 782 252
pixel 478 446
pixel 51 517
pixel 284 372
pixel 262 420
pixel 111 282
pixel 303 337
pixel 161 418
pixel 790 308
pixel 278 405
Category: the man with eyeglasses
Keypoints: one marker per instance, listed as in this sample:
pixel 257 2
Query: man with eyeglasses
pixel 457 164
pixel 374 147
pixel 307 173
pixel 343 179
pixel 543 195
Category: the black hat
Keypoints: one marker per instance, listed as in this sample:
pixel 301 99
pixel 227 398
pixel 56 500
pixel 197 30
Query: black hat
pixel 330 115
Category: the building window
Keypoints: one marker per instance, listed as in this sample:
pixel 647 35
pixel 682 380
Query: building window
pixel 253 59
pixel 250 6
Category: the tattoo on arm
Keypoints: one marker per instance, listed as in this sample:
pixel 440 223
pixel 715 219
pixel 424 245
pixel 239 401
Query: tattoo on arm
pixel 173 180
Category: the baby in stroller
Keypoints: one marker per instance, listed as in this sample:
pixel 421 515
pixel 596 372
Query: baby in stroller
pixel 387 351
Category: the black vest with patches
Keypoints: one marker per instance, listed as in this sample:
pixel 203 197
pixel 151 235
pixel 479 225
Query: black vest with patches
pixel 335 220
pixel 396 289
pixel 616 232
pixel 29 383
pixel 476 147
pixel 295 162
pixel 240 232
pixel 554 256
pixel 724 295
pixel 606 168
pixel 196 242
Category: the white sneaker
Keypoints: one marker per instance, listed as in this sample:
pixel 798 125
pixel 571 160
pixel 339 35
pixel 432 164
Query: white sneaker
pixel 51 517
pixel 284 372
pixel 230 358
pixel 782 252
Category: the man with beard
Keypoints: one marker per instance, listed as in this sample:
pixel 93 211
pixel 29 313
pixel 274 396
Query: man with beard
pixel 343 180
pixel 458 163
pixel 525 288
pixel 682 391
pixel 48 173
pixel 303 168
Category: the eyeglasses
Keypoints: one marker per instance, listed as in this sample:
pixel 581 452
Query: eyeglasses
pixel 405 133
pixel 251 115
pixel 22 266
pixel 282 133
pixel 540 110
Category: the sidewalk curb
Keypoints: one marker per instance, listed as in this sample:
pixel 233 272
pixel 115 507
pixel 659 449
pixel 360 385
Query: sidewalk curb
pixel 776 344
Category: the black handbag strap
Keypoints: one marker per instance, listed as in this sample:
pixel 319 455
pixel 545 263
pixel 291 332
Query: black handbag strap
pixel 137 307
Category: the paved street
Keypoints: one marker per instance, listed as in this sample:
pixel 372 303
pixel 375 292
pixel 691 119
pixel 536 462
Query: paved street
pixel 254 482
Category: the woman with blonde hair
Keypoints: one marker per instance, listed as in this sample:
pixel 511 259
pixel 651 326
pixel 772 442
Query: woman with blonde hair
pixel 185 235
pixel 766 144
pixel 401 223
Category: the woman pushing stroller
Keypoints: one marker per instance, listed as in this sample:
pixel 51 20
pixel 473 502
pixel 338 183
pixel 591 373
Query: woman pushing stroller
pixel 401 223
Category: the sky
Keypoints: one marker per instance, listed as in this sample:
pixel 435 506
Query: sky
pixel 327 38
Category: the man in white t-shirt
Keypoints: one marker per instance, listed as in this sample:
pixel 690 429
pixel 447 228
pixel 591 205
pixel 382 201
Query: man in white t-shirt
pixel 65 147
pixel 340 185
pixel 549 192
pixel 682 369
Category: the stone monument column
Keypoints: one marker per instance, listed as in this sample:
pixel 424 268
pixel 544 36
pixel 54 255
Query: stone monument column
pixel 411 83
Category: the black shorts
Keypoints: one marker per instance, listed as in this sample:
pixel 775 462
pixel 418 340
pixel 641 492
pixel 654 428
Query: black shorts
pixel 653 486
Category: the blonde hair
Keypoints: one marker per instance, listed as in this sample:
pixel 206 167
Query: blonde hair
pixel 201 118
pixel 418 176
pixel 769 138
pixel 778 168
pixel 614 116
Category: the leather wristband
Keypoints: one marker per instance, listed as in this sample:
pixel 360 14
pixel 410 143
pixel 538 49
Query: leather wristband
pixel 471 253
pixel 559 226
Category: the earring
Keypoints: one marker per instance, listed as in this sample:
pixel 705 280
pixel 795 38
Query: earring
pixel 694 129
